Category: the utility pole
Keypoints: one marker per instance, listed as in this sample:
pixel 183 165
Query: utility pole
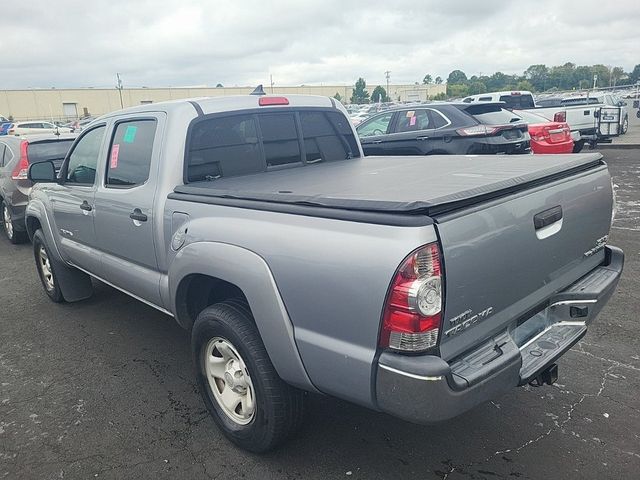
pixel 387 74
pixel 119 87
pixel 271 81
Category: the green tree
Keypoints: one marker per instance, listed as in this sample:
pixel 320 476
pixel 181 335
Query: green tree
pixel 537 75
pixel 457 77
pixel 338 97
pixel 476 88
pixel 617 73
pixel 634 75
pixel 428 79
pixel 440 96
pixel 379 95
pixel 360 94
pixel 219 85
pixel 438 80
pixel 457 90
pixel 525 85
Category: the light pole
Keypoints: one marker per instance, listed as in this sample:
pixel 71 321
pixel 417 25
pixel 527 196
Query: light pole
pixel 387 74
pixel 119 87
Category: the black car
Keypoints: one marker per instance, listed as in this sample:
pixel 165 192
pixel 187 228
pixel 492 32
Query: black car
pixel 446 128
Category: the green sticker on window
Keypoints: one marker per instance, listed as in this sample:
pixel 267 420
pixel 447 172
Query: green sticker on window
pixel 130 134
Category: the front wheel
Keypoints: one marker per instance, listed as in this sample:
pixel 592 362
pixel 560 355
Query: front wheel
pixel 249 402
pixel 45 268
pixel 578 146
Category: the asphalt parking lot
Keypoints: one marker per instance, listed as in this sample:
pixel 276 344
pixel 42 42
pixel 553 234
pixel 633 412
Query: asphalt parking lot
pixel 104 389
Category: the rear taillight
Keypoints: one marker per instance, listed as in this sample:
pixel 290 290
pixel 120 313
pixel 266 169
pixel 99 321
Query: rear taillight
pixel 560 117
pixel 477 130
pixel 22 168
pixel 413 310
pixel 11 130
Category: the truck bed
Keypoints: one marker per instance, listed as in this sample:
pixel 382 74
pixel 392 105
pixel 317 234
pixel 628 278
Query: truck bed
pixel 407 185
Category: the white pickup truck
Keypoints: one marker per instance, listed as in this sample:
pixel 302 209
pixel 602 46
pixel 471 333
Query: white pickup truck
pixel 582 119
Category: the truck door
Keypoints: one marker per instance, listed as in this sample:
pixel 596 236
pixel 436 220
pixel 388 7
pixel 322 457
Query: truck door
pixel 73 200
pixel 124 201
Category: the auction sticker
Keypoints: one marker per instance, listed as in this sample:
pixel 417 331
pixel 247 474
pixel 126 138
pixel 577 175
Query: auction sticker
pixel 115 151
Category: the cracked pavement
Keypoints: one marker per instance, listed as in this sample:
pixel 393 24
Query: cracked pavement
pixel 104 389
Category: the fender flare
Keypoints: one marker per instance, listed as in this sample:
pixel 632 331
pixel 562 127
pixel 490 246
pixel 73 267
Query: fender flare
pixel 36 209
pixel 249 272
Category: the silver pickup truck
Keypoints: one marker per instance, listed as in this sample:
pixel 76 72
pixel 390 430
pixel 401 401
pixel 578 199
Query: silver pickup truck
pixel 416 286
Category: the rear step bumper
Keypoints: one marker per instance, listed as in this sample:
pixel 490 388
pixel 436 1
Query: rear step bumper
pixel 426 389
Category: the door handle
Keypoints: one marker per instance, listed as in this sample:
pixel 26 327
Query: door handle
pixel 85 206
pixel 422 138
pixel 138 215
pixel 547 217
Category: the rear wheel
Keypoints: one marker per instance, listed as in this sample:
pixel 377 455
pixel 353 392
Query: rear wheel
pixel 12 234
pixel 625 126
pixel 249 402
pixel 578 146
pixel 45 268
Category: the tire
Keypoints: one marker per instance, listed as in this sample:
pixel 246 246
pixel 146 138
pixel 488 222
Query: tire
pixel 45 268
pixel 625 126
pixel 12 234
pixel 265 411
pixel 578 146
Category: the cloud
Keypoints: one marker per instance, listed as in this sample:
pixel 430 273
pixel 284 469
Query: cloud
pixel 162 43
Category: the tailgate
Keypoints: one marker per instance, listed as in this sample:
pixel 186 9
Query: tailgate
pixel 501 265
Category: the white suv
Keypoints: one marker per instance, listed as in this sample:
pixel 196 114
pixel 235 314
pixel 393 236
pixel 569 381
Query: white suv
pixel 34 127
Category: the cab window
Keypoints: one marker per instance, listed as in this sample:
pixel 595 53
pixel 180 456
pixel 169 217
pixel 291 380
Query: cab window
pixel 81 167
pixel 376 126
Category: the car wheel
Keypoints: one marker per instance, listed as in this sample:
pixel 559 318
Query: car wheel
pixel 249 402
pixel 45 268
pixel 625 126
pixel 14 236
pixel 578 146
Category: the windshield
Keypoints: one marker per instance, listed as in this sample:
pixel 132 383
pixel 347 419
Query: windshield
pixel 491 114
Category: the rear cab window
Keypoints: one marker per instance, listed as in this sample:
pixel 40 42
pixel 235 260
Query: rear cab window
pixel 518 102
pixel 253 142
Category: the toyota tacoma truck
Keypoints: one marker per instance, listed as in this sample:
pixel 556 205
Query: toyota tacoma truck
pixel 416 286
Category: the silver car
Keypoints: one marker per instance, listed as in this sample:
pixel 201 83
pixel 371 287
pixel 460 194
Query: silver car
pixel 16 154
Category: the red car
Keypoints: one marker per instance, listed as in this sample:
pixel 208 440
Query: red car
pixel 547 136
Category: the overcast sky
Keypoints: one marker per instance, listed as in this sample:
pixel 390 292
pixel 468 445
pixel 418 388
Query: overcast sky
pixel 178 43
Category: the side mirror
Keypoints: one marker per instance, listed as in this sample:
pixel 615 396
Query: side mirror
pixel 42 172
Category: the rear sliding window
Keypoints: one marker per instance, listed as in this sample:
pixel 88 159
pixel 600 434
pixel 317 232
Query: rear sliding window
pixel 491 114
pixel 250 143
pixel 518 102
pixel 44 151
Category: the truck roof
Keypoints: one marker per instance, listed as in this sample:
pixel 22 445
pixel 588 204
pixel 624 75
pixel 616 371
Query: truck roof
pixel 207 105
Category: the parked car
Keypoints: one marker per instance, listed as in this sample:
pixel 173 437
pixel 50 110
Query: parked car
pixel 444 128
pixel 35 127
pixel 16 154
pixel 79 125
pixel 547 136
pixel 419 288
pixel 4 127
pixel 584 121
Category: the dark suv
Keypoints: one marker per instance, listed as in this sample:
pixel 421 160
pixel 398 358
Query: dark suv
pixel 446 128
pixel 16 154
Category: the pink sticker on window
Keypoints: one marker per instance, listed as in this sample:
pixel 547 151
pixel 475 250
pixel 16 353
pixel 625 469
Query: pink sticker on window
pixel 115 150
pixel 412 122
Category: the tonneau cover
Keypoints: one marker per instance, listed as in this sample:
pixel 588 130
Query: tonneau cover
pixel 411 184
